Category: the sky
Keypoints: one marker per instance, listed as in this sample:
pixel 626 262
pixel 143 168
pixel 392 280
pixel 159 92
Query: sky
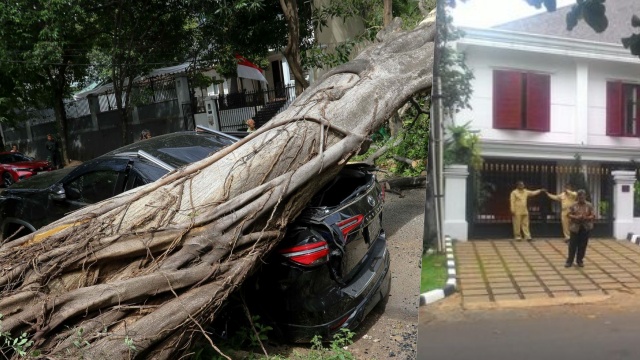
pixel 488 13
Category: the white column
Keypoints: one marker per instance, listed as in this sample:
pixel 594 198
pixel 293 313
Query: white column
pixel 623 202
pixel 184 98
pixel 94 109
pixel 582 104
pixel 455 202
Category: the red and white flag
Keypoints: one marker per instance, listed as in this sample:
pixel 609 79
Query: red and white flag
pixel 249 70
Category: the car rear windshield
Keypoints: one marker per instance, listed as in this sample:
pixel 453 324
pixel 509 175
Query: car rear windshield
pixel 43 180
pixel 178 149
pixel 345 186
pixel 13 158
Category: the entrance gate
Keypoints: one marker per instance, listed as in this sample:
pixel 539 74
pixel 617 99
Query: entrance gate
pixel 489 189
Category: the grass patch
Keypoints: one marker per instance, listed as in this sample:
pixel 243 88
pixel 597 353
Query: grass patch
pixel 434 272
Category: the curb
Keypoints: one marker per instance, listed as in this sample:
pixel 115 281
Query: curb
pixel 633 238
pixel 450 287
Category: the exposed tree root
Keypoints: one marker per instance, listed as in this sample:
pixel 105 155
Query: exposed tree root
pixel 140 274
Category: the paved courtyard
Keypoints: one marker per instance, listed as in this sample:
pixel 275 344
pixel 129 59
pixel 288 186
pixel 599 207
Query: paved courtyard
pixel 495 272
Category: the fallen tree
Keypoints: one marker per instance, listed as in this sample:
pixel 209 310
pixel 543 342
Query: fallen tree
pixel 139 274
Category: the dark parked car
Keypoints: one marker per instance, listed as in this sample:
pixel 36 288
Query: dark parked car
pixel 15 166
pixel 332 267
pixel 329 271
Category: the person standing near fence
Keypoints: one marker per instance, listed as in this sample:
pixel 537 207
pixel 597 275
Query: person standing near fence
pixel 145 134
pixel 520 212
pixel 581 215
pixel 566 198
pixel 52 148
pixel 251 125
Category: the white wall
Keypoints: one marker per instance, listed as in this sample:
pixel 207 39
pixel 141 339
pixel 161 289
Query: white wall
pixel 563 94
pixel 578 114
pixel 600 73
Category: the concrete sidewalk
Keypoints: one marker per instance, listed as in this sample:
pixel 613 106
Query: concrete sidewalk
pixel 505 272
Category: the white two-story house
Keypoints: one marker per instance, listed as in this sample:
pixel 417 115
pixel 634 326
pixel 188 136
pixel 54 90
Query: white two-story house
pixel 542 97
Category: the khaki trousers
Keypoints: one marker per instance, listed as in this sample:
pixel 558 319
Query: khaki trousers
pixel 521 224
pixel 564 217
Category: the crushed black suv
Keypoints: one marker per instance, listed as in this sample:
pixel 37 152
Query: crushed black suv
pixel 329 271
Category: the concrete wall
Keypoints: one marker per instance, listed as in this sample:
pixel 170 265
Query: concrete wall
pixel 578 96
pixel 85 142
pixel 483 61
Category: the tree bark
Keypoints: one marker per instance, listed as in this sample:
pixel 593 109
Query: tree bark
pixel 152 266
pixel 292 50
pixel 58 82
pixel 402 159
pixel 387 15
pixel 407 182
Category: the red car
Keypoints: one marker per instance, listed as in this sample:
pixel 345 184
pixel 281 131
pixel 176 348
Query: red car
pixel 15 166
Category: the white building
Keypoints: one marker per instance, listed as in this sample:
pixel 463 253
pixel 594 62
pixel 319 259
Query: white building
pixel 543 95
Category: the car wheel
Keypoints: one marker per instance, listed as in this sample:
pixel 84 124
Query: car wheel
pixel 7 179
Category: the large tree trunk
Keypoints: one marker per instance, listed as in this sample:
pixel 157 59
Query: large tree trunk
pixel 58 82
pixel 142 272
pixel 292 50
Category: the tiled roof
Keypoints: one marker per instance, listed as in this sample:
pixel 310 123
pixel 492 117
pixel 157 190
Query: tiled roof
pixel 618 13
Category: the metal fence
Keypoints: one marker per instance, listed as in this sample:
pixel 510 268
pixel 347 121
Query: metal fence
pixel 636 195
pixel 235 109
pixel 77 108
pixel 150 91
pixel 489 190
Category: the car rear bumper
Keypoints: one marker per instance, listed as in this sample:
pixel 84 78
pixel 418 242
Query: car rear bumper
pixel 377 288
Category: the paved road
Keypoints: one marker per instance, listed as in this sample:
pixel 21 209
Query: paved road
pixel 603 330
pixel 391 332
pixel 517 301
pixel 499 272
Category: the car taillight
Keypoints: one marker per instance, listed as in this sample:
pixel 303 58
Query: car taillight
pixel 347 226
pixel 339 323
pixel 308 255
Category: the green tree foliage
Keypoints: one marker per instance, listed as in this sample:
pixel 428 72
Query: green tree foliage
pixel 250 28
pixel 451 67
pixel 370 12
pixel 632 42
pixel 591 11
pixel 42 52
pixel 462 147
pixel 136 37
pixel 414 142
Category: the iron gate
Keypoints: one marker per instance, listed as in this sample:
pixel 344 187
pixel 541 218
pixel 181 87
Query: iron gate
pixel 489 189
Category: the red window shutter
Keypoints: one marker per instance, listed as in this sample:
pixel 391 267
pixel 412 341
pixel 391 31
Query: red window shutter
pixel 538 102
pixel 637 110
pixel 614 108
pixel 507 99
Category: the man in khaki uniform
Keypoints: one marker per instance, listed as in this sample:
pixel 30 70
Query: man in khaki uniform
pixel 519 210
pixel 567 198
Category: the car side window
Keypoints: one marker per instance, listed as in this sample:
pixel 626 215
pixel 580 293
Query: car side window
pixel 137 182
pixel 92 187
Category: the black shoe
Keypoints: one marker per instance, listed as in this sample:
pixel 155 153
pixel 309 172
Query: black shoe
pixel 580 264
pixel 529 240
pixel 566 241
pixel 567 265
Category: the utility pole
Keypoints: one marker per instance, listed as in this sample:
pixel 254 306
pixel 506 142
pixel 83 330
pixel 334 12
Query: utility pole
pixel 436 128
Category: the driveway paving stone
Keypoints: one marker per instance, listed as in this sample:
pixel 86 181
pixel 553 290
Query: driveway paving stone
pixel 493 271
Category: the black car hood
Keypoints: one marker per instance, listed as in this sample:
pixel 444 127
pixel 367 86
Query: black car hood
pixel 40 182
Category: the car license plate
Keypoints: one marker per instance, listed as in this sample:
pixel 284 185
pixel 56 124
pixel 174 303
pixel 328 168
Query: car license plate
pixel 374 229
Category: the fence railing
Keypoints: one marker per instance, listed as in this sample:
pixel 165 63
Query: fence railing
pixel 261 105
pixel 77 108
pixel 255 98
pixel 491 187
